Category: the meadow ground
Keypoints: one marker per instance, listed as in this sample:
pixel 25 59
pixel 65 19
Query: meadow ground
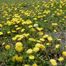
pixel 32 33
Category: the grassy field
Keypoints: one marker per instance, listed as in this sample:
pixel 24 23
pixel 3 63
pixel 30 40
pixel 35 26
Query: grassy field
pixel 32 33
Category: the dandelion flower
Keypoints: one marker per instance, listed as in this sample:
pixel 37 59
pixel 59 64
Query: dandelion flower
pixel 53 62
pixel 7 47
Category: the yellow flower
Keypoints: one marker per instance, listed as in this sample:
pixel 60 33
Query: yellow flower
pixel 57 46
pixel 64 16
pixel 35 25
pixel 53 62
pixel 19 47
pixel 55 30
pixel 20 37
pixel 46 11
pixel 18 28
pixel 32 29
pixel 30 26
pixel 35 18
pixel 26 65
pixel 39 29
pixel 48 44
pixel 26 34
pixel 31 57
pixel 36 49
pixel 28 22
pixel 60 59
pixel 13 31
pixel 17 36
pixel 64 53
pixel 15 20
pixel 32 39
pixel 1 33
pixel 34 64
pixel 38 41
pixel 29 51
pixel 17 58
pixel 9 23
pixel 1 25
pixel 42 39
pixel 58 13
pixel 14 58
pixel 38 45
pixel 49 38
pixel 7 47
pixel 8 32
pixel 45 36
pixel 41 46
pixel 19 44
pixel 40 33
pixel 54 24
pixel 22 30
